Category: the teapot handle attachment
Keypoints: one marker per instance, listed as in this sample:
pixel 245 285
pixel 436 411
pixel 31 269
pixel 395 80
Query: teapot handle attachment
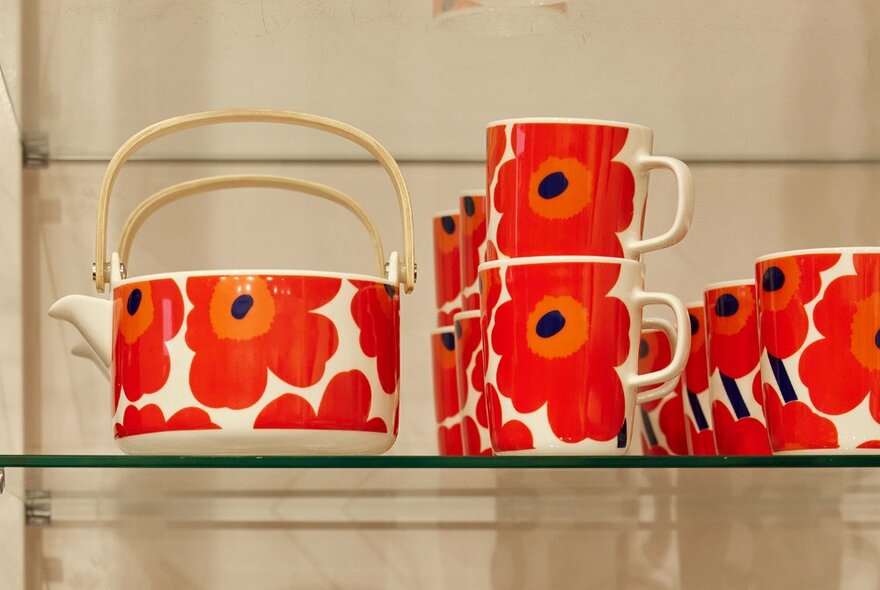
pixel 212 183
pixel 407 265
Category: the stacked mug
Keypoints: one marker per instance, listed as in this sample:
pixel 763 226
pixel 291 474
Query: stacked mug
pixel 562 288
pixel 460 408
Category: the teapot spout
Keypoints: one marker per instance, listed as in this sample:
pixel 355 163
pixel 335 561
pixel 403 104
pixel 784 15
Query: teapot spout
pixel 84 351
pixel 93 318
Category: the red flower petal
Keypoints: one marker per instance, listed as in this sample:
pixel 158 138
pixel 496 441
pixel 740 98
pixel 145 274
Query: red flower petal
pixel 450 441
pixel 672 423
pixel 376 311
pixel 345 405
pixel 746 436
pixel 836 382
pixel 146 315
pixel 512 435
pixel 447 261
pixel 732 330
pixel 700 442
pixel 594 204
pixel 445 377
pixel 472 238
pixel 870 444
pixel 697 368
pixel 151 419
pixel 794 425
pixel 572 369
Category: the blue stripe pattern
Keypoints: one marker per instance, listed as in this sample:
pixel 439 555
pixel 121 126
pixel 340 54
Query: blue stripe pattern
pixel 621 436
pixel 786 389
pixel 649 429
pixel 697 411
pixel 735 397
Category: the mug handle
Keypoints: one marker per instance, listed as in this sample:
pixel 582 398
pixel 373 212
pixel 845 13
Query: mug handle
pixel 665 327
pixel 213 183
pixel 667 374
pixel 684 212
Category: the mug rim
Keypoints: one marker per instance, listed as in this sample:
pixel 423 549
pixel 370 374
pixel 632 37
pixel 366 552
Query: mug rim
pixel 442 330
pixel 472 193
pixel 446 213
pixel 185 274
pixel 467 314
pixel 695 303
pixel 566 121
pixel 817 251
pixel 572 259
pixel 732 283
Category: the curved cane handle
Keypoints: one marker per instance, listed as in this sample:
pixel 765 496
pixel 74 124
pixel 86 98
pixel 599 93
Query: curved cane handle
pixel 212 183
pixel 153 132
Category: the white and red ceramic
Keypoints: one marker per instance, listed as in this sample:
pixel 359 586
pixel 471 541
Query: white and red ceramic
pixel 819 313
pixel 447 404
pixel 471 390
pixel 734 369
pixel 248 361
pixel 472 214
pixel 697 406
pixel 447 266
pixel 560 344
pixel 663 428
pixel 575 187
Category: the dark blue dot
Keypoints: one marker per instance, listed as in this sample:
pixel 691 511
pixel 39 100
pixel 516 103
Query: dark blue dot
pixel 877 339
pixel 469 207
pixel 134 301
pixel 390 290
pixel 550 324
pixel 695 323
pixel 643 348
pixel 448 340
pixel 448 224
pixel 726 305
pixel 241 306
pixel 773 279
pixel 553 185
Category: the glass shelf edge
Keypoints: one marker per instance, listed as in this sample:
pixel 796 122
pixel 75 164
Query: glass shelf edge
pixel 436 462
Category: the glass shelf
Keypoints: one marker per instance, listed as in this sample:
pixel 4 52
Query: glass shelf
pixel 436 462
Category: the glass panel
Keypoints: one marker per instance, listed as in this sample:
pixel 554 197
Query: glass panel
pixel 435 462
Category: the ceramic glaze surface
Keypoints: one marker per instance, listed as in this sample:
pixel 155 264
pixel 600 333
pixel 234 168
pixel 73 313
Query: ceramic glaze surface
pixel 242 353
pixel 820 358
pixel 697 407
pixel 663 427
pixel 447 266
pixel 564 188
pixel 447 407
pixel 471 389
pixel 561 343
pixel 734 375
pixel 473 246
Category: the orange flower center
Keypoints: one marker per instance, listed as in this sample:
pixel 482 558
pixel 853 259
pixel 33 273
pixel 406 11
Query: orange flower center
pixel 241 308
pixel 557 327
pixel 560 188
pixel 731 311
pixel 778 283
pixel 865 328
pixel 137 311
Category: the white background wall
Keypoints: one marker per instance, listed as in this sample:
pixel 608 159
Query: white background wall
pixel 731 81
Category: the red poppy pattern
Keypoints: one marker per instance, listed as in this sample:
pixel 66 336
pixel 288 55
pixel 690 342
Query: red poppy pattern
pixel 150 419
pixel 469 361
pixel 794 426
pixel 558 340
pixel 732 330
pixel 506 436
pixel 376 311
pixel 699 434
pixel 785 286
pixel 746 436
pixel 562 193
pixel 665 415
pixel 446 400
pixel 345 405
pixel 146 315
pixel 842 368
pixel 241 327
pixel 473 238
pixel 447 267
